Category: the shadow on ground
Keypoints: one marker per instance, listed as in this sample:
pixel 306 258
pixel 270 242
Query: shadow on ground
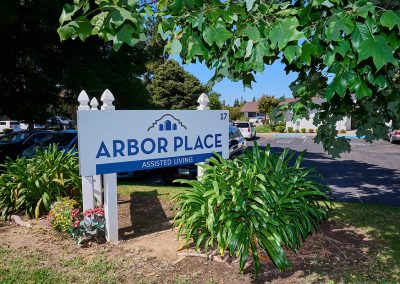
pixel 333 254
pixel 142 214
pixel 354 180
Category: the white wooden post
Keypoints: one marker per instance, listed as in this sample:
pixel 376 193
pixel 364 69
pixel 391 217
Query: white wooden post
pixel 87 182
pixel 203 105
pixel 96 180
pixel 110 185
pixel 97 190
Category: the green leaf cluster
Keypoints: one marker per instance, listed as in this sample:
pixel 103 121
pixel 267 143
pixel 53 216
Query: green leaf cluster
pixel 30 186
pixel 258 203
pixel 354 43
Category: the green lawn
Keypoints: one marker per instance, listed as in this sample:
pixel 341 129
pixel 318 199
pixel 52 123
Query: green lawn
pixel 381 224
pixel 263 129
pixel 125 189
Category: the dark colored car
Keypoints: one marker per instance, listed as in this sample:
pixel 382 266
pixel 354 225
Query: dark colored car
pixel 68 140
pixel 65 139
pixel 12 145
pixel 237 144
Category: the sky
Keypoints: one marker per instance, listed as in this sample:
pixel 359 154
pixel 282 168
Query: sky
pixel 273 81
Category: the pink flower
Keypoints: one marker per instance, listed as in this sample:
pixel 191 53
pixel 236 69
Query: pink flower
pixel 88 213
pixel 94 211
pixel 74 213
pixel 76 223
pixel 99 211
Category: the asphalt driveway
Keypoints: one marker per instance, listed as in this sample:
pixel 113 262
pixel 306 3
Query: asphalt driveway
pixel 370 173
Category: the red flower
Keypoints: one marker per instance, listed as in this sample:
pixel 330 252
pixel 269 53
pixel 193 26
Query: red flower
pixel 99 211
pixel 88 213
pixel 94 211
pixel 74 213
pixel 76 223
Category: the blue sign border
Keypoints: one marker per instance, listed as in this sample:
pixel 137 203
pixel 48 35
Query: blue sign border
pixel 138 165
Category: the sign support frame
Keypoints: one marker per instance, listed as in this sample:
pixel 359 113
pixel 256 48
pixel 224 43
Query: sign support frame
pixel 100 190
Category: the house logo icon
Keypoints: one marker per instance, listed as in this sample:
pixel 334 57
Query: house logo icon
pixel 167 123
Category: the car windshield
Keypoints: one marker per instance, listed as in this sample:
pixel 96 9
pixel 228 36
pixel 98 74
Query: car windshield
pixel 241 124
pixel 62 118
pixel 14 137
pixel 61 139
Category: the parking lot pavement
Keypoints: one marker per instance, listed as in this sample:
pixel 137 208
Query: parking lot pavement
pixel 370 173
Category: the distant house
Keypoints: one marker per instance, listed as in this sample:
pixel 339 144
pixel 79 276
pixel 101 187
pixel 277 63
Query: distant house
pixel 250 111
pixel 287 100
pixel 344 124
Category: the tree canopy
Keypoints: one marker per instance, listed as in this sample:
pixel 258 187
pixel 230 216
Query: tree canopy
pixel 40 76
pixel 235 114
pixel 266 105
pixel 171 87
pixel 215 102
pixel 345 51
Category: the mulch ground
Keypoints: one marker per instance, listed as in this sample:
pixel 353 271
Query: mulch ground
pixel 149 250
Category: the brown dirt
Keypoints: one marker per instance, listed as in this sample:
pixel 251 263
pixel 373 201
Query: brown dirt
pixel 149 248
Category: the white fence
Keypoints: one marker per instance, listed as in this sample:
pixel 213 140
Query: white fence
pixel 101 190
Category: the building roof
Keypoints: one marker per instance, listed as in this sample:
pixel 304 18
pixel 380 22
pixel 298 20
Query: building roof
pixel 253 106
pixel 250 107
pixel 287 100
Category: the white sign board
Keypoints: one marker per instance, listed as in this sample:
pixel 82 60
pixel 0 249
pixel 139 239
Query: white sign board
pixel 130 140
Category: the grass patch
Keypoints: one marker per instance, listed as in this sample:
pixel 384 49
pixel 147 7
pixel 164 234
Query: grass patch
pixel 381 224
pixel 27 267
pixel 32 267
pixel 125 189
pixel 263 129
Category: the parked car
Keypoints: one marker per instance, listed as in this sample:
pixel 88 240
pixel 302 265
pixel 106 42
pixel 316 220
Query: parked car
pixel 36 126
pixel 247 128
pixel 65 139
pixel 10 124
pixel 12 145
pixel 68 140
pixel 237 144
pixel 60 122
pixel 394 136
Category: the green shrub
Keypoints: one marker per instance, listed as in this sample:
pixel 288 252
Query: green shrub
pixel 31 185
pixel 290 129
pixel 7 130
pixel 276 125
pixel 303 130
pixel 343 131
pixel 280 129
pixel 297 131
pixel 260 201
pixel 263 129
pixel 311 130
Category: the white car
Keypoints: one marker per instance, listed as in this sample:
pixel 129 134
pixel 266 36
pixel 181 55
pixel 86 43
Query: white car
pixel 25 126
pixel 394 136
pixel 10 124
pixel 247 129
